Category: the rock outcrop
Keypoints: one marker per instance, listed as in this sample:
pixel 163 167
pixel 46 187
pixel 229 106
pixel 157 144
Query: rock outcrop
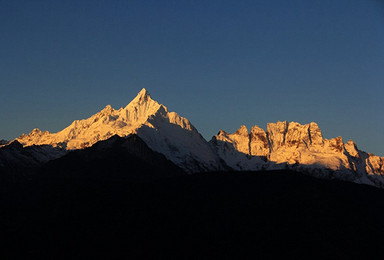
pixel 300 147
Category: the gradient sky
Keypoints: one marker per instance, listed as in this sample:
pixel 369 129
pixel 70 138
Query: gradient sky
pixel 218 63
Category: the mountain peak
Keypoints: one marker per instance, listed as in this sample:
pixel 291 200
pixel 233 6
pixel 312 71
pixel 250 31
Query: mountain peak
pixel 107 110
pixel 15 144
pixel 36 130
pixel 143 91
pixel 142 97
pixel 242 130
pixel 140 108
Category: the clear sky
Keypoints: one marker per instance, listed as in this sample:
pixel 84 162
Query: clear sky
pixel 218 63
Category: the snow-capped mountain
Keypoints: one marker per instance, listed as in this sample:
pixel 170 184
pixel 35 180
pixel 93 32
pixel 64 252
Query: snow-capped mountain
pixel 283 145
pixel 163 131
pixel 300 147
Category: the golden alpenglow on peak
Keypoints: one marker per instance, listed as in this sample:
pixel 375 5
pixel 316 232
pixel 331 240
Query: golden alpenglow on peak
pixel 142 97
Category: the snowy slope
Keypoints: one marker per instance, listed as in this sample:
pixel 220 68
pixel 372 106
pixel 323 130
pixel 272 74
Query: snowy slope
pixel 163 131
pixel 300 147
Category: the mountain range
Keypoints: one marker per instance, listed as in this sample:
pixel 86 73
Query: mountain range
pixel 283 145
pixel 140 182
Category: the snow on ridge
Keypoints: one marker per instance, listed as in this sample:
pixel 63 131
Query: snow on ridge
pixel 300 147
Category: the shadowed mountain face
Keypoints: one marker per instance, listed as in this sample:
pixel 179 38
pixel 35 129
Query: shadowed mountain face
pixel 118 158
pixel 203 216
pixel 3 142
pixel 18 160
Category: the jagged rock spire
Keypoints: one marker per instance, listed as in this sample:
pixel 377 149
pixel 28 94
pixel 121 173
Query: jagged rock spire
pixel 142 97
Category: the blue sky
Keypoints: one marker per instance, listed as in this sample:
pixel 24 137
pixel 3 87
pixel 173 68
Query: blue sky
pixel 218 63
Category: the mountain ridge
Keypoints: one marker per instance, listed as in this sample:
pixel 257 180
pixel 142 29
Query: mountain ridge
pixel 282 145
pixel 295 146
